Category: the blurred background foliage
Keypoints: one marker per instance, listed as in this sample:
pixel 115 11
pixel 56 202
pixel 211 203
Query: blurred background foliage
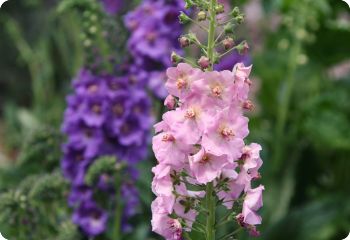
pixel 301 57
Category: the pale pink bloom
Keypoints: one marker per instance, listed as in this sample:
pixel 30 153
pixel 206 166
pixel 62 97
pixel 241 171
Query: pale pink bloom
pixel 233 194
pixel 251 159
pixel 225 135
pixel 162 184
pixel 163 204
pixel 192 123
pixel 242 82
pixel 180 79
pixel 167 227
pixel 206 167
pixel 170 102
pixel 252 203
pixel 168 150
pixel 216 88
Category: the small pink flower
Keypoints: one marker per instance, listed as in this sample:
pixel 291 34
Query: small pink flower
pixel 216 88
pixel 252 203
pixel 162 184
pixel 251 159
pixel 242 82
pixel 168 150
pixel 170 102
pixel 167 227
pixel 225 136
pixel 180 79
pixel 206 167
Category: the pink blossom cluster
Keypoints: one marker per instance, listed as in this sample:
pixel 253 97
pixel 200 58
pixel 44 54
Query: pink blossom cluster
pixel 201 140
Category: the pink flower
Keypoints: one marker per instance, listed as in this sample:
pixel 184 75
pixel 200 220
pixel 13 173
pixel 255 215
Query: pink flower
pixel 252 203
pixel 242 82
pixel 180 79
pixel 216 88
pixel 206 167
pixel 162 184
pixel 251 159
pixel 168 150
pixel 170 102
pixel 225 136
pixel 167 227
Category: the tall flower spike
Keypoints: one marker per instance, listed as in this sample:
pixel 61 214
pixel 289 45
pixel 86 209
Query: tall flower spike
pixel 201 140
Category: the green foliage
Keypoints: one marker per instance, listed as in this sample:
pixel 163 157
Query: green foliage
pixel 102 165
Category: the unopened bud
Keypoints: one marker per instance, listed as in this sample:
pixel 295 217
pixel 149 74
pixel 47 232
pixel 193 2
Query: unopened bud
pixel 175 58
pixel 170 102
pixel 235 12
pixel 248 105
pixel 228 43
pixel 219 9
pixel 184 18
pixel 184 42
pixel 201 16
pixel 204 62
pixel 229 28
pixel 240 19
pixel 243 48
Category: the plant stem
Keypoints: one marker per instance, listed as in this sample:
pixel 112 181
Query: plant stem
pixel 211 34
pixel 210 229
pixel 118 212
pixel 210 201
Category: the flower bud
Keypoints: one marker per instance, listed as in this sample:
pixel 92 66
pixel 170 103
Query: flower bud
pixel 175 58
pixel 170 102
pixel 184 42
pixel 240 19
pixel 228 43
pixel 204 62
pixel 243 48
pixel 184 18
pixel 229 28
pixel 235 12
pixel 201 16
pixel 219 9
pixel 248 105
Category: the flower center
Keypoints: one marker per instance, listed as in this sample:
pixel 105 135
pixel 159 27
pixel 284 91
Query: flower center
pixel 205 159
pixel 151 37
pixel 181 83
pixel 168 138
pixel 93 88
pixel 217 91
pixel 227 132
pixel 118 109
pixel 190 113
pixel 96 108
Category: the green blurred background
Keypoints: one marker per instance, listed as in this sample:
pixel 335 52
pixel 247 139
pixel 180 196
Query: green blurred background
pixel 301 57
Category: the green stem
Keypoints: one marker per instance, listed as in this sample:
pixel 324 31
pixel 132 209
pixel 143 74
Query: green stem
pixel 210 201
pixel 211 34
pixel 118 213
pixel 210 229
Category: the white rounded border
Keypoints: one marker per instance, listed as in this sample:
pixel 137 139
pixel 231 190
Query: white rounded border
pixel 1 2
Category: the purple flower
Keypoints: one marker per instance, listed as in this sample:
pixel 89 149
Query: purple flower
pixel 154 30
pixel 106 116
pixel 112 6
pixel 91 218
